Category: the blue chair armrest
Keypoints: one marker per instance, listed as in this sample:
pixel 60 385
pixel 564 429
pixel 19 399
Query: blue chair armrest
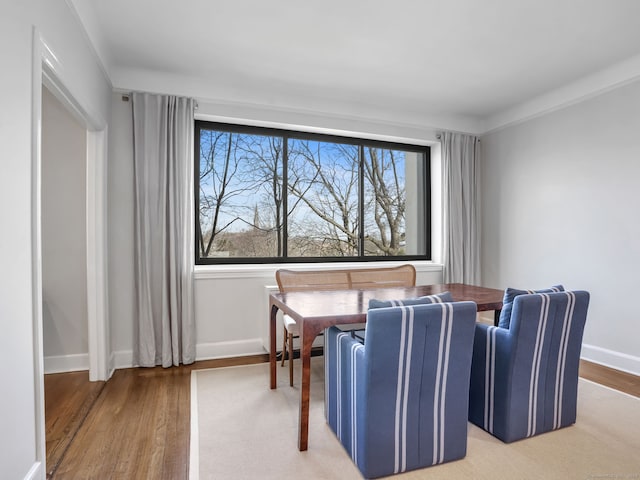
pixel 489 370
pixel 344 360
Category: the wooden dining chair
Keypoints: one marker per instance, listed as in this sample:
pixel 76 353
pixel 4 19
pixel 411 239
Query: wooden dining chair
pixel 343 279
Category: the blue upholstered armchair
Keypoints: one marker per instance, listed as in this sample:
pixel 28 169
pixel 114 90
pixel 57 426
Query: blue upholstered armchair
pixel 524 378
pixel 399 401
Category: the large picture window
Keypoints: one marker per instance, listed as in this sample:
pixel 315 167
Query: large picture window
pixel 268 196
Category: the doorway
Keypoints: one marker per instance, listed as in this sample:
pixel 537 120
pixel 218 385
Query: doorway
pixel 48 72
pixel 69 395
pixel 64 244
pixel 94 257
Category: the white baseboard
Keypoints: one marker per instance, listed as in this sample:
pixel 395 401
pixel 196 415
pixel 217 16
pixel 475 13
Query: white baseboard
pixel 122 359
pixel 239 348
pixel 66 363
pixel 255 346
pixel 36 472
pixel 610 358
pixel 111 367
pixel 204 351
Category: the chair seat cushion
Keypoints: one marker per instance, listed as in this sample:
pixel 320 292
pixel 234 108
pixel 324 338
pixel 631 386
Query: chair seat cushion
pixel 510 295
pixel 291 325
pixel 443 297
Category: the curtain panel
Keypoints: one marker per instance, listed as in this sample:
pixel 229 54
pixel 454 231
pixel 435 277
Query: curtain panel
pixel 163 213
pixel 461 188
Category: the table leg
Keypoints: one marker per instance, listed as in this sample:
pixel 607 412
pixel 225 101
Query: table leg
pixel 272 346
pixel 496 317
pixel 307 336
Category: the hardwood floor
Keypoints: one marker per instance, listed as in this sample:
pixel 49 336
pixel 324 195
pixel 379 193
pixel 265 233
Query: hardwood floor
pixel 138 426
pixel 623 381
pixel 68 399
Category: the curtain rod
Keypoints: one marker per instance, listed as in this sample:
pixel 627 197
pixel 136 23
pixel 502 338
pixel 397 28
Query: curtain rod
pixel 439 137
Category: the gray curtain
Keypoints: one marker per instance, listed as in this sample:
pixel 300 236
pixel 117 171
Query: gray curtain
pixel 163 176
pixel 461 190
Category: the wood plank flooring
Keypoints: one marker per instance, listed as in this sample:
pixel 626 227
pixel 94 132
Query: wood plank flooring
pixel 138 426
pixel 68 399
pixel 623 381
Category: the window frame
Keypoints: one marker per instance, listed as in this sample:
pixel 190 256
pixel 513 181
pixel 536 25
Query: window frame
pixel 287 134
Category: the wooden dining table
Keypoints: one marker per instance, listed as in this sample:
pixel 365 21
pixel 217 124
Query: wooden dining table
pixel 314 311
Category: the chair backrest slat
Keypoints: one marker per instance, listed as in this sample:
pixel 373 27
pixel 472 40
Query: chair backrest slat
pixel 346 279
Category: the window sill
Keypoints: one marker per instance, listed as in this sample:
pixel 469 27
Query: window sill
pixel 203 272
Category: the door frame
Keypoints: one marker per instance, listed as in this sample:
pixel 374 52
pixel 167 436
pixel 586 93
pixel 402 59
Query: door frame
pixel 48 72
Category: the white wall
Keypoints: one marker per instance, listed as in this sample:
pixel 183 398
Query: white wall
pixel 21 449
pixel 560 205
pixel 64 269
pixel 230 309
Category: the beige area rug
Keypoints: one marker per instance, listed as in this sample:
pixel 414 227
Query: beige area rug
pixel 240 429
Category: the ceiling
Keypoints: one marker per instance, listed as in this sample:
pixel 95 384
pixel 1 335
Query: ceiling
pixel 465 58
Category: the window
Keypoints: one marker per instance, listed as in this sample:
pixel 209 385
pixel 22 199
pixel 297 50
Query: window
pixel 268 196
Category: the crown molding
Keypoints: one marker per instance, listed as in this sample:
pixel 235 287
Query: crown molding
pixel 244 101
pixel 590 86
